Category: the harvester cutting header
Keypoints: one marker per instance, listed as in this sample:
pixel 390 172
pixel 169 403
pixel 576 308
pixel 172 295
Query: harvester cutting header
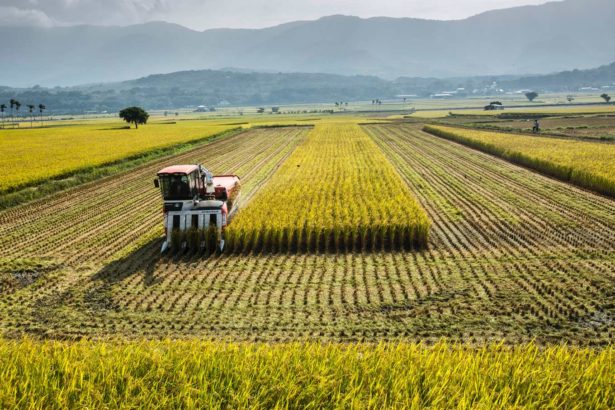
pixel 196 201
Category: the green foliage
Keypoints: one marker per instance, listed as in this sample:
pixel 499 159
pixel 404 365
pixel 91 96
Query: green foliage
pixel 532 95
pixel 134 115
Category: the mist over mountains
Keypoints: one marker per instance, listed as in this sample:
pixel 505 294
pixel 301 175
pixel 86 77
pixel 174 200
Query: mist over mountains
pixel 531 39
pixel 214 87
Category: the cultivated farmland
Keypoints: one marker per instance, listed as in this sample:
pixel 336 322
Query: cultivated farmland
pixel 583 127
pixel 336 192
pixel 112 216
pixel 511 256
pixel 62 150
pixel 586 164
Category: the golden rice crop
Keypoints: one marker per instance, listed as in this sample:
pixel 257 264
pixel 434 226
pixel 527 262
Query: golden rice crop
pixel 196 374
pixel 587 164
pixel 337 191
pixel 30 156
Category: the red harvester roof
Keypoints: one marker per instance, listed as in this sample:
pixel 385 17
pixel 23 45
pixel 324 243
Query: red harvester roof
pixel 178 169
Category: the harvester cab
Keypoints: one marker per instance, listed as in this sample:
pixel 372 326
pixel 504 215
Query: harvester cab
pixel 197 204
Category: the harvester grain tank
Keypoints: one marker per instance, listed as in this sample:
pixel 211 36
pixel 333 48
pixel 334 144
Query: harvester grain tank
pixel 195 199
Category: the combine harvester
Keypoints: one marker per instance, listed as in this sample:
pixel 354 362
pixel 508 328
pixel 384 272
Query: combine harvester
pixel 196 203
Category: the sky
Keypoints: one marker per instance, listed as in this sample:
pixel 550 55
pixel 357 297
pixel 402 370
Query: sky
pixel 205 14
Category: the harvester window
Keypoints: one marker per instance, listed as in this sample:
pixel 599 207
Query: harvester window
pixel 175 187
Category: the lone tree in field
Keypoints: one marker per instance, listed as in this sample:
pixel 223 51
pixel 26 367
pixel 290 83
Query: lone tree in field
pixel 606 97
pixel 531 95
pixel 134 115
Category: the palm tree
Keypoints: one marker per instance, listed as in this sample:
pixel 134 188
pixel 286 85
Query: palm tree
pixel 41 108
pixel 17 107
pixel 31 109
pixel 12 105
pixel 2 109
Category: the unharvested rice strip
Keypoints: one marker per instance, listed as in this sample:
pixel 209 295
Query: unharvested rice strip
pixel 333 221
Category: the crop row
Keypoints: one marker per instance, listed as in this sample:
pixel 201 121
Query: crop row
pixel 336 192
pixel 586 164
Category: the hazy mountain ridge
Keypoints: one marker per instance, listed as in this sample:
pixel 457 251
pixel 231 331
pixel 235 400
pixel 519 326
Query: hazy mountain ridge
pixel 529 39
pixel 208 87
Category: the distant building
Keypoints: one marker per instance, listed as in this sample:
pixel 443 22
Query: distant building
pixel 442 95
pixel 204 108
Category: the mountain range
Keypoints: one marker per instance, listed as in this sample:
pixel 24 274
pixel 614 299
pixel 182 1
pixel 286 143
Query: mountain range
pixel 210 87
pixel 531 39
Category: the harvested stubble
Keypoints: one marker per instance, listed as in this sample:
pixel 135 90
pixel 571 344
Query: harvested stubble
pixel 195 374
pixel 586 164
pixel 336 192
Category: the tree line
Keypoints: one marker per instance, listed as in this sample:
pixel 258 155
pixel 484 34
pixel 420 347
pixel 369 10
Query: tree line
pixel 15 106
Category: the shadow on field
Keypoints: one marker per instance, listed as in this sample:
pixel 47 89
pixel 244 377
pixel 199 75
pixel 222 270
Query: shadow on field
pixel 141 261
pixel 124 127
pixel 144 261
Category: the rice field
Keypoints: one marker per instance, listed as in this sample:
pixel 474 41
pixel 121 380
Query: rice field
pixel 196 374
pixel 336 192
pixel 511 256
pixel 33 156
pixel 514 284
pixel 595 127
pixel 586 164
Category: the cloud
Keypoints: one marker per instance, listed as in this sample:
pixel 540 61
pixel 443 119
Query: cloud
pixel 13 16
pixel 202 14
pixel 97 12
